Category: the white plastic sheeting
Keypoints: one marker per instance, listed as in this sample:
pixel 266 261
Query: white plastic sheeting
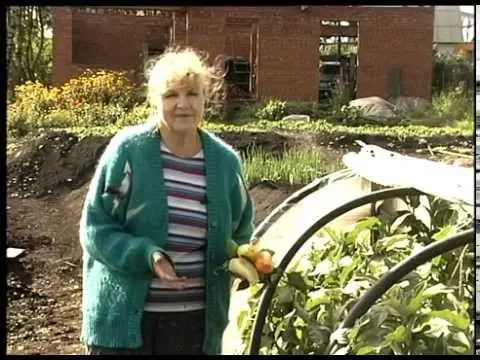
pixel 388 168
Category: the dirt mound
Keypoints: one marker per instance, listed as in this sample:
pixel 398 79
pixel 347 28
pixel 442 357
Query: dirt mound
pixel 57 162
pixel 54 162
pixel 270 142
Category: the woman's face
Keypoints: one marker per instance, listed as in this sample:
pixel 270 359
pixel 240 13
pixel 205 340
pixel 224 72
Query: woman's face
pixel 183 105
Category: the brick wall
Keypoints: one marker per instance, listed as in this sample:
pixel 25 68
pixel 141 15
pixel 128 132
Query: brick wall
pixel 110 41
pixel 287 40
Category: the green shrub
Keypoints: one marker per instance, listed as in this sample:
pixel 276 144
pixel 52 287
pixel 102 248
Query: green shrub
pixel 58 118
pixel 340 97
pixel 214 112
pixel 273 110
pixel 453 106
pixel 17 122
pixel 36 97
pixel 452 70
pixel 137 115
pixel 97 114
pixel 86 115
pixel 448 108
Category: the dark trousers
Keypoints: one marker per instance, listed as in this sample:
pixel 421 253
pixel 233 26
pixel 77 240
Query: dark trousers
pixel 165 334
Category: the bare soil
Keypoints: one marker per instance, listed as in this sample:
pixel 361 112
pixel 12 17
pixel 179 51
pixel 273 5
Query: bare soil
pixel 47 179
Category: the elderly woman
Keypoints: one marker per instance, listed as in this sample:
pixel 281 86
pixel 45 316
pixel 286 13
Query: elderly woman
pixel 165 199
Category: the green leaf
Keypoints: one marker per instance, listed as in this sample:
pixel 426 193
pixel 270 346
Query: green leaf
pixel 354 286
pixel 290 335
pixel 436 290
pixel 459 350
pixel 462 339
pixel 399 222
pixel 341 351
pixel 414 201
pixel 242 319
pixel 315 298
pixel 416 303
pixel 362 225
pixel 437 327
pixel 400 244
pixel 399 335
pixel 318 334
pixel 425 202
pixel 278 331
pixel 389 241
pixel 323 268
pixel 424 270
pixel 456 319
pixel 286 295
pixel 444 232
pixel 332 234
pixel 296 280
pixel 345 261
pixel 423 215
pixel 378 314
pixel 367 350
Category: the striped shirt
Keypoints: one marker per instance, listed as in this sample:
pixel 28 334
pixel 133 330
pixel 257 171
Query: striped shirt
pixel 186 243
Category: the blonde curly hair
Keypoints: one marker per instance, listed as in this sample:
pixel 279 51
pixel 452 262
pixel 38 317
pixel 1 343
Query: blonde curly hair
pixel 178 64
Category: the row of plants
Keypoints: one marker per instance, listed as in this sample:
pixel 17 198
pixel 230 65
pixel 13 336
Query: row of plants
pixel 290 167
pixel 430 311
pixel 451 108
pixel 109 98
pixel 401 134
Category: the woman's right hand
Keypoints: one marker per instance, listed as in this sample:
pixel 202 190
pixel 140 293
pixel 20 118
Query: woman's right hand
pixel 165 272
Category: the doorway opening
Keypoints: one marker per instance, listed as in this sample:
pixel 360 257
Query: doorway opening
pixel 338 60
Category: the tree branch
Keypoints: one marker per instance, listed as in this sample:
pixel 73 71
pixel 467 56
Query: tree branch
pixel 41 32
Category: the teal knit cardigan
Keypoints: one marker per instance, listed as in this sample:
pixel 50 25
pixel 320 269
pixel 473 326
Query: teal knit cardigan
pixel 124 221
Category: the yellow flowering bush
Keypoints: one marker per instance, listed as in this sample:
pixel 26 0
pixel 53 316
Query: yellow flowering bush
pixel 91 99
pixel 98 87
pixel 34 96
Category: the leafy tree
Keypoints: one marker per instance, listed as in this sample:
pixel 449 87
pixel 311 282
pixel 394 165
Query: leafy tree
pixel 29 49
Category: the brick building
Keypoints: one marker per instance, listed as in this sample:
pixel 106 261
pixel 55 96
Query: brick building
pixel 282 43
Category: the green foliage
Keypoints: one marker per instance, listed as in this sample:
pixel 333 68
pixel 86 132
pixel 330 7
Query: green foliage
pixel 325 127
pixel 291 166
pixel 29 51
pixel 429 312
pixel 97 114
pixel 341 96
pixel 273 110
pixel 139 114
pixel 452 71
pixel 34 102
pixel 448 108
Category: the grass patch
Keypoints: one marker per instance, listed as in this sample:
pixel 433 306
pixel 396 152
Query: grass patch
pixel 292 166
pixel 398 132
pixel 322 126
